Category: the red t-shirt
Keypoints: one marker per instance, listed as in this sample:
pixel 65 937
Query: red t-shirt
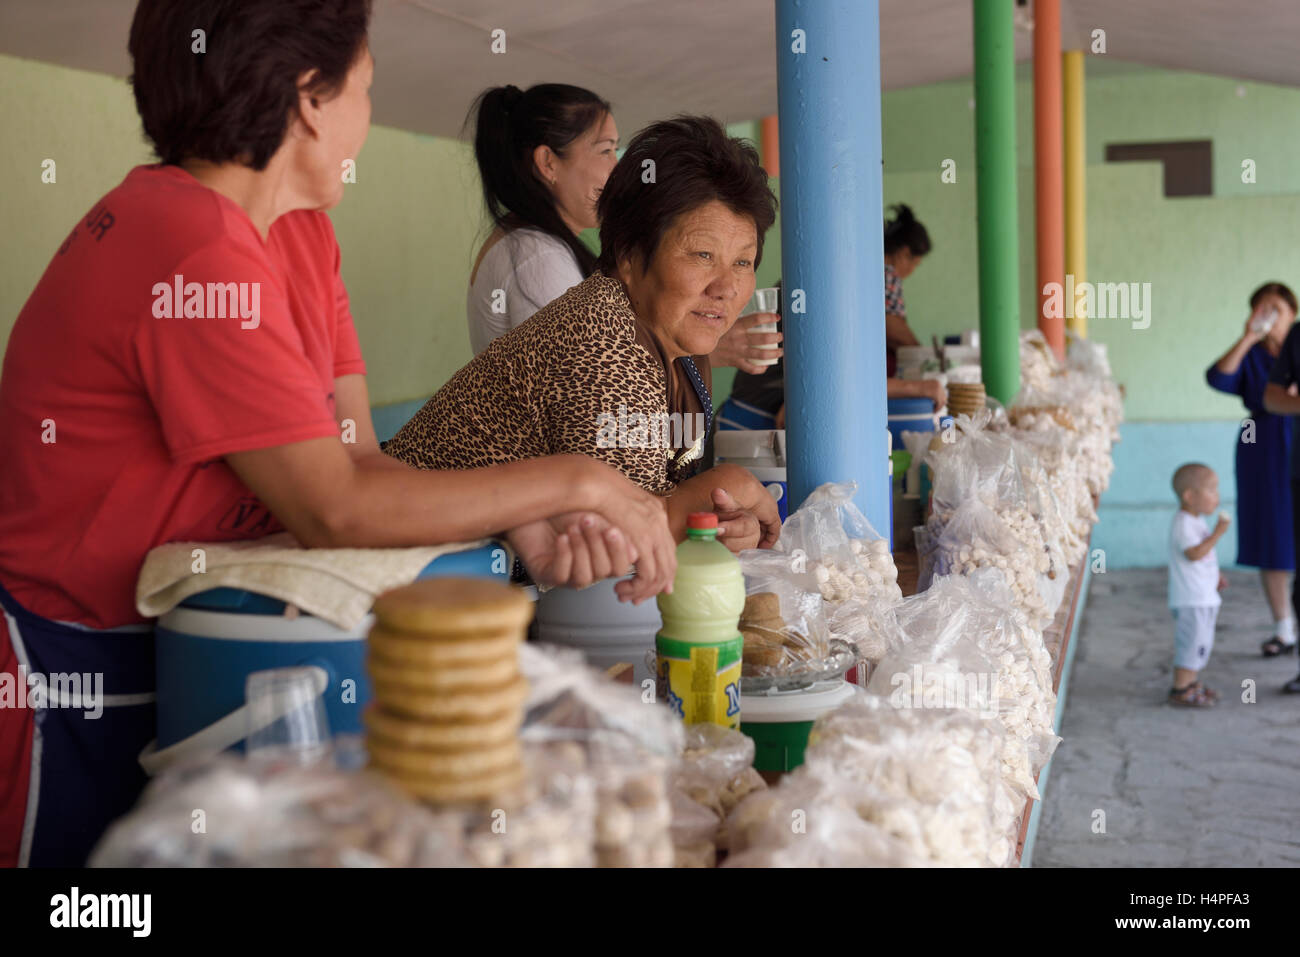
pixel 114 418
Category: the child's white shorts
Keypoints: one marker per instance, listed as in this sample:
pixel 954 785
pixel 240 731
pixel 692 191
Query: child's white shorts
pixel 1194 635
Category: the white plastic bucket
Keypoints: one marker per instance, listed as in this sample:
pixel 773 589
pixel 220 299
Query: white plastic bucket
pixel 607 631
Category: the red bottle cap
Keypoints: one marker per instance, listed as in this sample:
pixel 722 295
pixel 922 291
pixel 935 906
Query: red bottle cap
pixel 702 520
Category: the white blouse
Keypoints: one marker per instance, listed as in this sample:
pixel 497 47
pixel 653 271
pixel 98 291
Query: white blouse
pixel 523 271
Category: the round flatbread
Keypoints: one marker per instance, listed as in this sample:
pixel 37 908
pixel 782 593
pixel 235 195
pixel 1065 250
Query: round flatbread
pixel 461 704
pixel 444 650
pixel 763 605
pixel 469 763
pixel 454 606
pixel 440 678
pixel 447 735
pixel 455 790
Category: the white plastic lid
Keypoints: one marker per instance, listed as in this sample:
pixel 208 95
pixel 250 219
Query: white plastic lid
pixel 784 707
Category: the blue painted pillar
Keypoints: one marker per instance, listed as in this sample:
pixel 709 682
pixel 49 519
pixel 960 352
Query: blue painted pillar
pixel 832 249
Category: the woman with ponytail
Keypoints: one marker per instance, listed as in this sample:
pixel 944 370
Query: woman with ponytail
pixel 543 155
pixel 906 241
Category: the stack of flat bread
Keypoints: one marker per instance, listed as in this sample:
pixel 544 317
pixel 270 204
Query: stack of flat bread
pixel 443 659
pixel 966 398
pixel 770 643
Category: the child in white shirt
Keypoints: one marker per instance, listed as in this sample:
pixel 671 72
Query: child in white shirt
pixel 1194 582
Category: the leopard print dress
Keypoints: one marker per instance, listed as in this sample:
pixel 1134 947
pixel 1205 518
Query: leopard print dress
pixel 577 377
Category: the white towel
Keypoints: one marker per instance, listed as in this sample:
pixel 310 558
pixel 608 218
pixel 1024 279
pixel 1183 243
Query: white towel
pixel 336 584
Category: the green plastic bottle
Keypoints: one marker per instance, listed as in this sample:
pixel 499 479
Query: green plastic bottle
pixel 699 648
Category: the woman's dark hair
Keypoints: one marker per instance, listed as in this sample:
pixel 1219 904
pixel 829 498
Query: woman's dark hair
pixel 509 126
pixel 669 169
pixel 1274 289
pixel 904 230
pixel 233 101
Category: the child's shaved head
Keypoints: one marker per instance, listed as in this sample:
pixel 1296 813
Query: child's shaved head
pixel 1190 476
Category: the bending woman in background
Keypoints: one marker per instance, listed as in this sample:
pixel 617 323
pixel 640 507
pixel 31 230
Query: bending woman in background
pixel 175 424
pixel 1264 526
pixel 618 367
pixel 543 157
pixel 906 243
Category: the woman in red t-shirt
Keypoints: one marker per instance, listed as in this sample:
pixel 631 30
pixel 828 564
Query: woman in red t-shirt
pixel 187 368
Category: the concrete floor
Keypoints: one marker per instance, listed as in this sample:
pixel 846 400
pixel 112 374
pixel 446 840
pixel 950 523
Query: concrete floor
pixel 1179 787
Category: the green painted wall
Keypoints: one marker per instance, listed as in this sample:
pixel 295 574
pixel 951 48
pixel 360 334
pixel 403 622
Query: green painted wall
pixel 408 226
pixel 925 125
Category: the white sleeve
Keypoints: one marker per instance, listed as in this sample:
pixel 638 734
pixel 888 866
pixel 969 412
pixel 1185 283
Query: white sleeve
pixel 1188 532
pixel 528 269
pixel 545 272
pixel 484 324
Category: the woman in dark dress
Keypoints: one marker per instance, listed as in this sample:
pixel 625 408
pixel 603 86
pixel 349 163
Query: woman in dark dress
pixel 1264 527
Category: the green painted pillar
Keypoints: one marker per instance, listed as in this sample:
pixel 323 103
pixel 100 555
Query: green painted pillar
pixel 995 180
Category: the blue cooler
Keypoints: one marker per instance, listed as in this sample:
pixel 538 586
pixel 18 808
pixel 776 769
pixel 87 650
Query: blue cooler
pixel 909 415
pixel 209 644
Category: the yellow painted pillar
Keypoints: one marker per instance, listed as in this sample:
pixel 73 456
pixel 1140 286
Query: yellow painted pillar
pixel 1076 223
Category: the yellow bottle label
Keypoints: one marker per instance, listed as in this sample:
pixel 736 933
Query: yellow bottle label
pixel 702 682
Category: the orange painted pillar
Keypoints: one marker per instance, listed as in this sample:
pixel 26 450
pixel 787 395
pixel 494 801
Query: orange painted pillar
pixel 768 144
pixel 1049 200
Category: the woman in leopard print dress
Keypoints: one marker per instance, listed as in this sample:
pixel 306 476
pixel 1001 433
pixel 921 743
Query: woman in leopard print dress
pixel 617 367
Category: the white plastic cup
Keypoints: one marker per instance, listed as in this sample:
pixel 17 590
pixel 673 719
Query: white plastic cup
pixel 287 719
pixel 764 300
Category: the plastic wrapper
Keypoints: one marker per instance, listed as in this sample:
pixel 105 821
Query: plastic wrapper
pixel 225 811
pixel 716 768
pixel 1080 400
pixel 930 779
pixel 868 626
pixel 783 623
pixel 625 745
pixel 694 832
pixel 975 462
pixel 548 822
pixel 715 774
pixel 884 787
pixel 975 536
pixel 830 538
pixel 967 649
pixel 829 549
pixel 810 822
pixel 1038 363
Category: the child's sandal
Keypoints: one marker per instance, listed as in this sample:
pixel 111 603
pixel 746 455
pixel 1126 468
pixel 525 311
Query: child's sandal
pixel 1208 692
pixel 1193 696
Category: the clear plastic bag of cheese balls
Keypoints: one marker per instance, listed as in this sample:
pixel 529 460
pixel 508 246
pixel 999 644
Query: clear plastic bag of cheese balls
pixel 976 462
pixel 613 735
pixel 715 773
pixel 810 822
pixel 550 820
pixel 830 538
pixel 694 832
pixel 929 777
pixel 977 537
pixel 783 623
pixel 968 649
pixel 224 811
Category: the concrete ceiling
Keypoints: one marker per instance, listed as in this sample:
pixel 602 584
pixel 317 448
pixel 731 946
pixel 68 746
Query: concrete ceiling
pixel 656 57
